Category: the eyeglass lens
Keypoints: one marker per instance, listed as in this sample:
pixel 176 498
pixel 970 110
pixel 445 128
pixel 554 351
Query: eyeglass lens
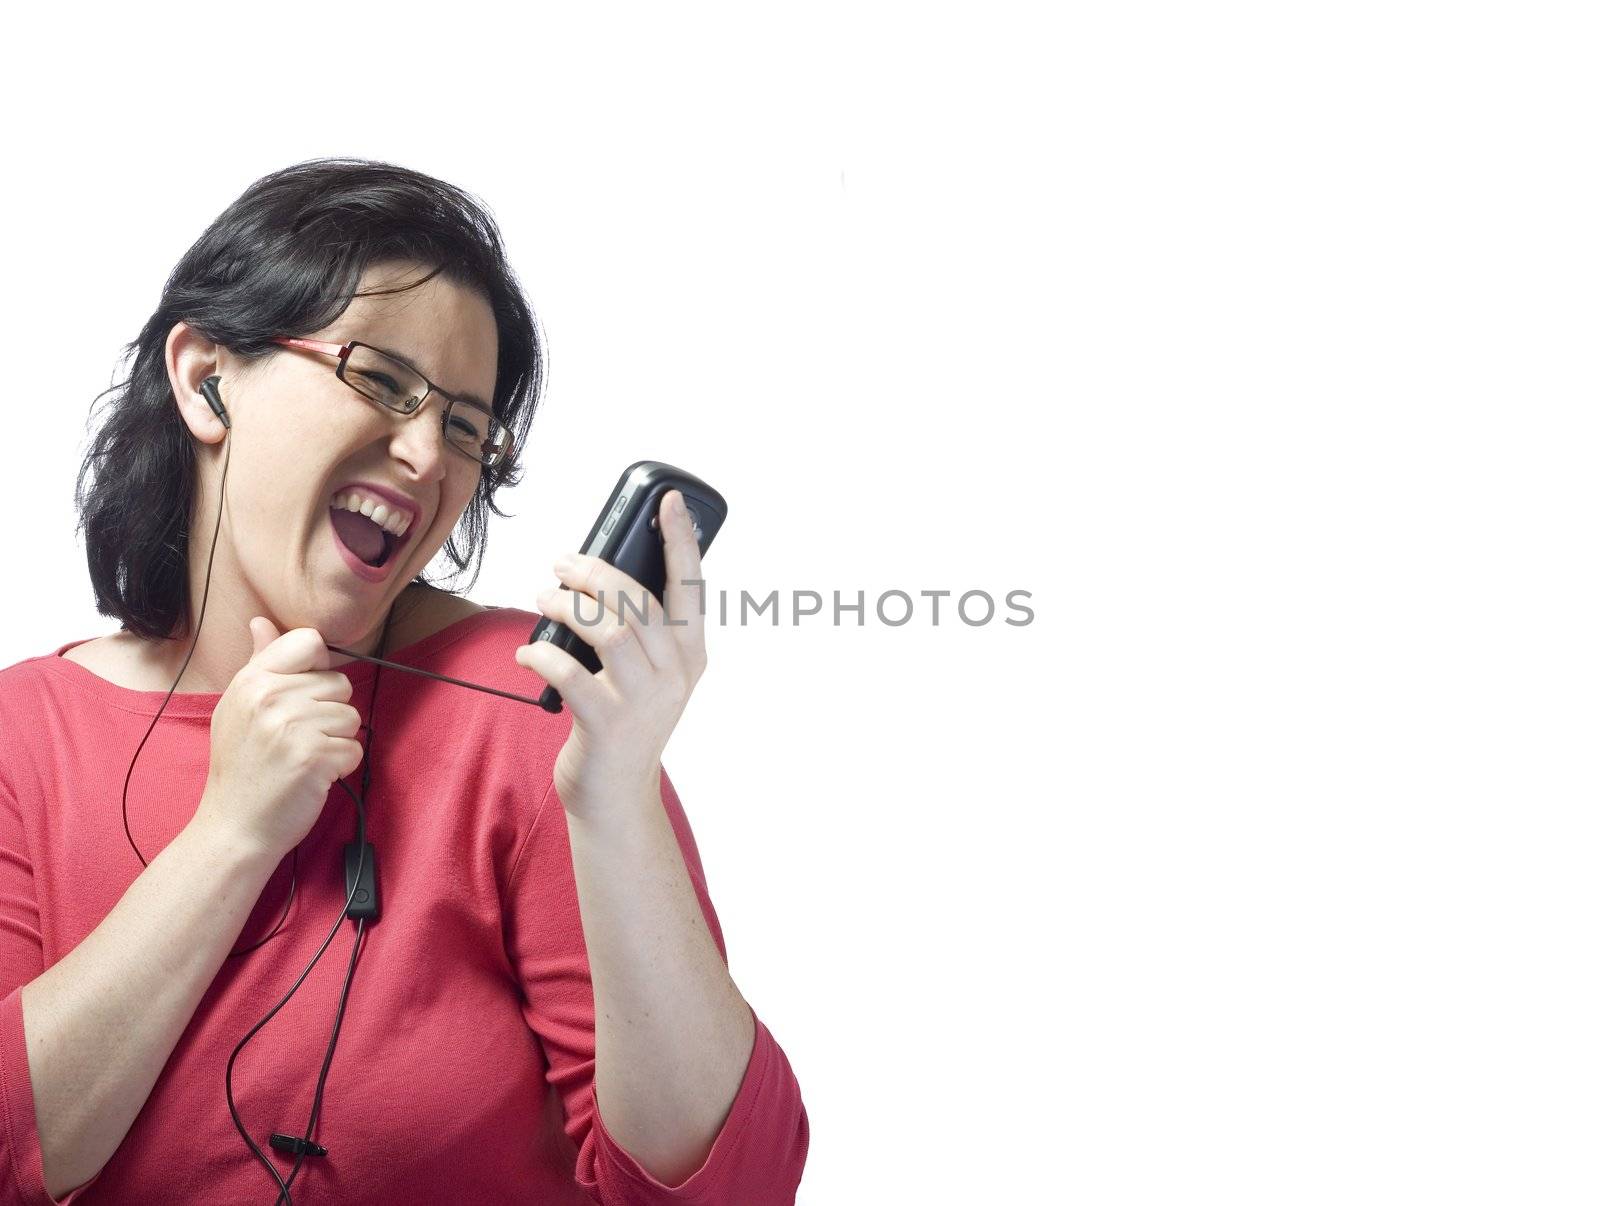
pixel 389 383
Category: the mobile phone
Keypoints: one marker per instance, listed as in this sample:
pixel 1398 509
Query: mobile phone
pixel 627 534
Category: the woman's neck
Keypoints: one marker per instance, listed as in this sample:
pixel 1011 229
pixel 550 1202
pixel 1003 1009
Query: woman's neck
pixel 219 655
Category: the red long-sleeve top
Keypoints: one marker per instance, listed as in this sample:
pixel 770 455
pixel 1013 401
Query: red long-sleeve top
pixel 464 1070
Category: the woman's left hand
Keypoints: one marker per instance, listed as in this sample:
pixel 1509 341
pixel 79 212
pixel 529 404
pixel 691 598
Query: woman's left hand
pixel 622 716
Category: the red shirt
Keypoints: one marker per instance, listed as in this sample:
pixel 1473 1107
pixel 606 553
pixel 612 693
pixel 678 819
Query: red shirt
pixel 464 1069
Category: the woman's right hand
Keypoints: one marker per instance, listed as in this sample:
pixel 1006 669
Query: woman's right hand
pixel 282 732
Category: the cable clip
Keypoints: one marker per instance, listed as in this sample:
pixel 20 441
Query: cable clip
pixel 295 1145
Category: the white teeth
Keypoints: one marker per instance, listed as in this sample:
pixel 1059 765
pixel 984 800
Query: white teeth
pixel 394 522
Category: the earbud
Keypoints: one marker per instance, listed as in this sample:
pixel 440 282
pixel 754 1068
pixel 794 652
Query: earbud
pixel 208 387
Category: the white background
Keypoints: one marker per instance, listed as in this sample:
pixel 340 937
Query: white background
pixel 1256 341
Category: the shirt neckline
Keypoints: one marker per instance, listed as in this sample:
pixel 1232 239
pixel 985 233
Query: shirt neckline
pixel 203 703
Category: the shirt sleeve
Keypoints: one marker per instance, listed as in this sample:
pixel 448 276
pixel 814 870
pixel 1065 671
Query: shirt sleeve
pixel 21 960
pixel 760 1152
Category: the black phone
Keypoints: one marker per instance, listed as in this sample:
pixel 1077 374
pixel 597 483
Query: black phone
pixel 627 534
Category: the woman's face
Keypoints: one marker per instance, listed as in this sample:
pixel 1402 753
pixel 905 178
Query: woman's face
pixel 300 435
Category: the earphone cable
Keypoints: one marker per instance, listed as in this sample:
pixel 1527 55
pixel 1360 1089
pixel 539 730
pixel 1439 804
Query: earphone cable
pixel 233 1109
pixel 361 922
pixel 294 868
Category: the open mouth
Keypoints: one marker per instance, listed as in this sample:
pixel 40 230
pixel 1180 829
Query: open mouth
pixel 367 542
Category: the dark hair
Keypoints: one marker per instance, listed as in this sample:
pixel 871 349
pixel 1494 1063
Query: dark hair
pixel 286 258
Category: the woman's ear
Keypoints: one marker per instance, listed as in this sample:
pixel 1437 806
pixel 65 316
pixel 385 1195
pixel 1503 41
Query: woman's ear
pixel 191 360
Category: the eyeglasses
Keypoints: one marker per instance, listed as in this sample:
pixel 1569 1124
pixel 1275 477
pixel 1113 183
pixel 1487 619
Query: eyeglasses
pixel 379 377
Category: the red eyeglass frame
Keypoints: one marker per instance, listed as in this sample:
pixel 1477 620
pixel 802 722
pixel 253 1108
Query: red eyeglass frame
pixel 342 351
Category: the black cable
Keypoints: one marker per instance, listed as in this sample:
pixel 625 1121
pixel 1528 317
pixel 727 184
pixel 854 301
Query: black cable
pixel 233 1109
pixel 443 678
pixel 360 928
pixel 303 1147
pixel 294 866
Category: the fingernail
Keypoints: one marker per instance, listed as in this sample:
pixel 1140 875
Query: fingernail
pixel 677 503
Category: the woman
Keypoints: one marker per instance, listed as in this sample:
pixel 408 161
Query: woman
pixel 537 950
